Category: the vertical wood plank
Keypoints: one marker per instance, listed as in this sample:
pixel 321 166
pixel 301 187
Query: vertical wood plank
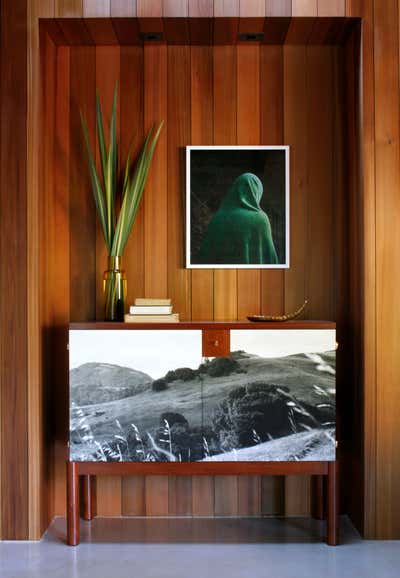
pixel 121 8
pixel 227 8
pixel 82 210
pixel 304 8
pixel 249 495
pixel 202 134
pixel 68 8
pixel 107 77
pixel 368 280
pixel 226 496
pixel 40 487
pixel 297 495
pixel 321 207
pixel 133 496
pixel 201 8
pixel 331 7
pixel 14 506
pixel 248 133
pixel 156 495
pixel 155 193
pixel 180 496
pixel 278 7
pixel 295 135
pixel 225 280
pixel 175 8
pixel 251 9
pixel 273 495
pixel 387 253
pixel 108 496
pixel 149 8
pixel 155 220
pixel 271 133
pixel 60 266
pixel 272 281
pixel 179 287
pixel 96 8
pixel 131 129
pixel 203 495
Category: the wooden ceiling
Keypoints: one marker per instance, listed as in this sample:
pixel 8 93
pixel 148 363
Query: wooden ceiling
pixel 131 31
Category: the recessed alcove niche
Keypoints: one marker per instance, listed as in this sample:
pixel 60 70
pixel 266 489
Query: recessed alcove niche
pixel 225 81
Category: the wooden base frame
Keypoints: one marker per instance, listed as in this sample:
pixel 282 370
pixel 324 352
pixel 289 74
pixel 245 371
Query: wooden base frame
pixel 326 475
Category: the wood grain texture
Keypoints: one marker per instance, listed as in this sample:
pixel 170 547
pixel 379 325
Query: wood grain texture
pixel 216 97
pixel 248 133
pixel 202 125
pixel 278 7
pixel 82 210
pixel 304 7
pixel 132 134
pixel 225 107
pixel 157 496
pixel 175 8
pixel 133 496
pixel 387 163
pixel 201 8
pixel 109 496
pixel 155 194
pixel 68 8
pixel 331 7
pixel 13 273
pixel 271 133
pixel 320 271
pixel 227 8
pixel 39 488
pixel 96 8
pixel 149 8
pixel 120 8
pixel 272 281
pixel 60 265
pixel 180 496
pixel 107 79
pixel 366 181
pixel 253 8
pixel 179 125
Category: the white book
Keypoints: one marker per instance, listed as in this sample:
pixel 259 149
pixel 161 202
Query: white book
pixel 173 318
pixel 149 301
pixel 150 310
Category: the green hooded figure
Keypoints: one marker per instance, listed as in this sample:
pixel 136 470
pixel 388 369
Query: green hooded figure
pixel 240 232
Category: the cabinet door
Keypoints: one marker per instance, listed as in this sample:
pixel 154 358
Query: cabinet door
pixel 273 399
pixel 135 395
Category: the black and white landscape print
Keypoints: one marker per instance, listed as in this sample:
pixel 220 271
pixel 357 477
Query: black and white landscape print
pixel 150 396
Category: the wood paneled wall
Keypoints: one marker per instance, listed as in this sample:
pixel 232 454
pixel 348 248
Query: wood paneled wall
pixel 244 94
pixel 373 218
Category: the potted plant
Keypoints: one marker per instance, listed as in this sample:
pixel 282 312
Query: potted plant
pixel 116 228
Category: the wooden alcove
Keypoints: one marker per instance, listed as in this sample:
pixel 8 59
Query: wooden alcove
pixel 298 85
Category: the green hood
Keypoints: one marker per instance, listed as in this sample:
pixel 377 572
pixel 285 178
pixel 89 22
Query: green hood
pixel 240 231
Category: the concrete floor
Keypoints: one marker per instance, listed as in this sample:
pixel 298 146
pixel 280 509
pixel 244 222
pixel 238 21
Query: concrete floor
pixel 199 548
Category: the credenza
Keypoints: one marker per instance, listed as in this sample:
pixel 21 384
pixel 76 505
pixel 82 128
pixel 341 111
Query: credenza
pixel 201 398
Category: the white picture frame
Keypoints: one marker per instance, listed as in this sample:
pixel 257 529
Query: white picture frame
pixel 284 211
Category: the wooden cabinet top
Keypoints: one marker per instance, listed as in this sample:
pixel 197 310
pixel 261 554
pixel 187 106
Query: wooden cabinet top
pixel 297 324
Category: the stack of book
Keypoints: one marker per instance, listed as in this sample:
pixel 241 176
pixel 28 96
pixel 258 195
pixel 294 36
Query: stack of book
pixel 151 311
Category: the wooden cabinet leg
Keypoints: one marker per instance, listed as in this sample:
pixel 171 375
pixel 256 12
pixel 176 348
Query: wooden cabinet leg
pixel 318 497
pixel 88 497
pixel 72 504
pixel 333 505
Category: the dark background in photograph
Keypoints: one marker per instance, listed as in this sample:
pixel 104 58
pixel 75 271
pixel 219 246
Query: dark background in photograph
pixel 213 172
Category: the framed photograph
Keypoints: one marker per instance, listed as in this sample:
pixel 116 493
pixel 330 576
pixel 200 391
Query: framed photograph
pixel 237 202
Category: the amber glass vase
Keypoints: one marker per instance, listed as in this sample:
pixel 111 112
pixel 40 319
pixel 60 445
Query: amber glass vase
pixel 114 286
